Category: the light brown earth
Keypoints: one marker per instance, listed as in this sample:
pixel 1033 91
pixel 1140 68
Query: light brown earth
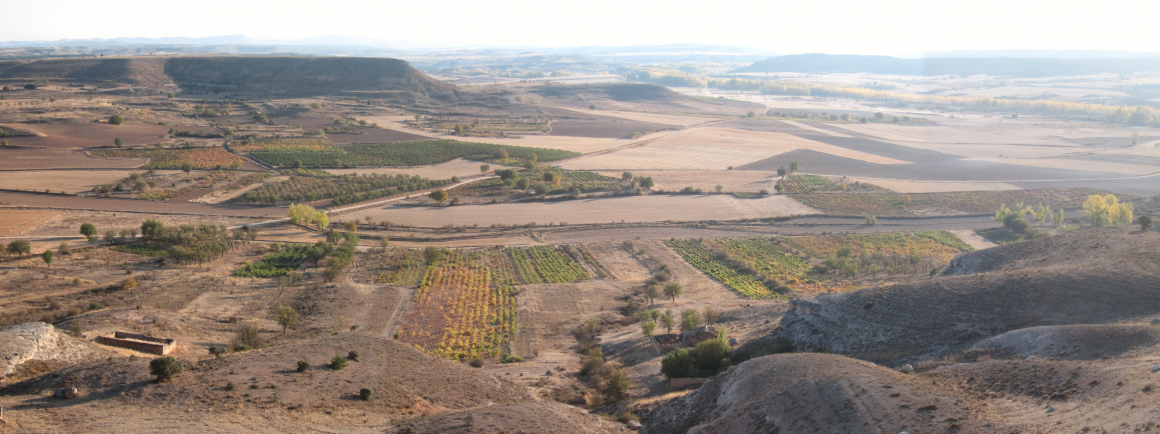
pixel 707 180
pixel 68 181
pixel 902 186
pixel 15 221
pixel 90 134
pixel 713 148
pixel 28 159
pixel 596 210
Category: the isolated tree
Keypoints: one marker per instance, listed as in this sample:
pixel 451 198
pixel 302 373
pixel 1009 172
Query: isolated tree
pixel 667 320
pixel 719 187
pixel 1059 217
pixel 90 232
pixel 286 316
pixel 778 187
pixel 1135 138
pixel 152 229
pixel 47 258
pixel 710 315
pixel 690 320
pixel 651 291
pixel 164 368
pixel 591 106
pixel 116 120
pixel 673 290
pixel 484 168
pixel 793 167
pixel 646 182
pixel 552 178
pixel 438 195
pixel 648 327
pixel 3 143
pixel 781 172
pixel 626 176
pixel 432 255
pixel 19 248
pixel 1145 222
pixel 618 385
pixel 110 236
pixel 186 167
pixel 118 142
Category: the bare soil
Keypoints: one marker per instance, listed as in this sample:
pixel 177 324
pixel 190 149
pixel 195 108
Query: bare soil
pixel 90 134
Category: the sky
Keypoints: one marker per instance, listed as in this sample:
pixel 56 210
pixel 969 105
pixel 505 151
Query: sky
pixel 899 27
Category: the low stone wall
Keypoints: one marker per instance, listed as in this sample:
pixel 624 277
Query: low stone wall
pixel 146 344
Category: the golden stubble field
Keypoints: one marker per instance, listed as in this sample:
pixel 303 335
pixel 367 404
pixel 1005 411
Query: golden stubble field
pixel 714 149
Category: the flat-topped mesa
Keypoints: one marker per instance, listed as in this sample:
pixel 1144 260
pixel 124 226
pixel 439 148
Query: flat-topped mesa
pixel 272 75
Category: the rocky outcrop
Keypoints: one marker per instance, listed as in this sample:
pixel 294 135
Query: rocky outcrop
pixel 39 341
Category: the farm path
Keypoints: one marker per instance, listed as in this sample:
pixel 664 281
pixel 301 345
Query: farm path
pixel 376 299
pixel 973 239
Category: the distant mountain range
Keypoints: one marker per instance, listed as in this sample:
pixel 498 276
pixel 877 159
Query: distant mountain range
pixel 1019 67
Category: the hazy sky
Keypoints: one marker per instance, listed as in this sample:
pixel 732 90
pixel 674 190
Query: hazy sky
pixel 898 27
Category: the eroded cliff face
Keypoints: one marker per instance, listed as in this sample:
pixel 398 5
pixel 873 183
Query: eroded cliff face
pixel 39 341
pixel 1095 277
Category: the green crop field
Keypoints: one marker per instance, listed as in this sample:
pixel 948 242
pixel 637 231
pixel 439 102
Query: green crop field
pixel 343 189
pixel 403 154
pixel 275 264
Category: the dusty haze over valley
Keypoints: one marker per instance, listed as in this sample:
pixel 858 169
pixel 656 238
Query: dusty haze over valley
pixel 540 218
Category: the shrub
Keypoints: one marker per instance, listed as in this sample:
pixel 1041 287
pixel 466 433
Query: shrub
pixel 303 366
pixel 164 368
pixel 96 306
pixel 249 336
pixel 508 358
pixel 704 360
pixel 353 355
pixel 475 362
pixel 217 351
pixel 690 320
pixel 116 119
pixel 338 362
pixel 238 348
pixel 365 394
pixel 618 385
pixel 231 386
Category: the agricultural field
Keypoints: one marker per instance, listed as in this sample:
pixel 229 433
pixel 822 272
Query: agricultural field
pixel 464 306
pixel 281 145
pixel 919 204
pixel 199 158
pixel 87 134
pixel 275 264
pixel 143 249
pixel 999 236
pixel 808 183
pixel 402 267
pixel 405 154
pixel 535 183
pixel 342 189
pixel 699 256
pixel 771 267
pixel 482 127
pixel 545 264
pixel 175 185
